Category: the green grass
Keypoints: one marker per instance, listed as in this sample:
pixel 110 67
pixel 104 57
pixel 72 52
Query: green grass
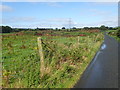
pixel 7 33
pixel 114 34
pixel 118 39
pixel 65 59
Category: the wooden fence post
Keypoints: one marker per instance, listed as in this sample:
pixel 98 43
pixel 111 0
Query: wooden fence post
pixel 78 40
pixel 42 67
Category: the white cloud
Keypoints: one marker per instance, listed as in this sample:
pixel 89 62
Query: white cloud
pixel 18 20
pixel 107 21
pixel 110 22
pixel 96 12
pixel 34 19
pixel 5 8
pixel 53 4
pixel 35 22
pixel 55 22
pixel 9 0
pixel 59 22
pixel 60 0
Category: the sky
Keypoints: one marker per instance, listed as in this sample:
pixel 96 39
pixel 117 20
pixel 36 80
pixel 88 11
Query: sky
pixel 59 14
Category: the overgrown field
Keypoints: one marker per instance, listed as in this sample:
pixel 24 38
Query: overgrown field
pixel 66 56
pixel 115 34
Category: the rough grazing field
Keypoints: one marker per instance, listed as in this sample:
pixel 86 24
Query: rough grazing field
pixel 65 58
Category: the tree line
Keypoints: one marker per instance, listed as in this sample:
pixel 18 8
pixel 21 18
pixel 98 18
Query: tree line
pixel 8 29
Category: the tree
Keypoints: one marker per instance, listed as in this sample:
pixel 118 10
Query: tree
pixel 74 28
pixel 56 28
pixel 86 28
pixel 110 28
pixel 63 27
pixel 6 29
pixel 0 29
pixel 118 32
pixel 103 27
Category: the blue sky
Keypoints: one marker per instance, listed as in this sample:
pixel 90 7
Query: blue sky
pixel 57 14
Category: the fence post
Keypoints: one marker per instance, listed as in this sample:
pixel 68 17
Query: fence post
pixel 42 67
pixel 78 40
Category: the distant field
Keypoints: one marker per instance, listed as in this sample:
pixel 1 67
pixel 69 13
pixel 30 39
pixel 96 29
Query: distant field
pixel 66 56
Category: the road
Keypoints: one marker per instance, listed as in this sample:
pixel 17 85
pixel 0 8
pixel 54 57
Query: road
pixel 103 70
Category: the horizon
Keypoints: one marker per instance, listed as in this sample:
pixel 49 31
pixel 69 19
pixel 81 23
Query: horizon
pixel 57 28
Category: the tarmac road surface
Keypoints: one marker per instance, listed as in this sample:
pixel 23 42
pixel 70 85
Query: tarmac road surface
pixel 103 70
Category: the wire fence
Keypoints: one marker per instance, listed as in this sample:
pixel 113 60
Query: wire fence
pixel 29 61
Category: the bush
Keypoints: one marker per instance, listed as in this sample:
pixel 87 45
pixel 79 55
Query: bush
pixel 118 33
pixel 6 29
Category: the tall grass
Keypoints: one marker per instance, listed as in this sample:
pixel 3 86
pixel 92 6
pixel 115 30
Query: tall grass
pixel 65 59
pixel 113 33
